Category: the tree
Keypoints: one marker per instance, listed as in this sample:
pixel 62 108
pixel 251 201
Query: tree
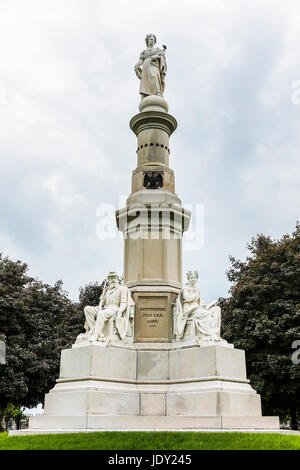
pixel 39 321
pixel 90 294
pixel 9 412
pixel 262 316
pixel 34 317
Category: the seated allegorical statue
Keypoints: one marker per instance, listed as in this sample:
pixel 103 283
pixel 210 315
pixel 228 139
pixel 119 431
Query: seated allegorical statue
pixel 116 304
pixel 189 306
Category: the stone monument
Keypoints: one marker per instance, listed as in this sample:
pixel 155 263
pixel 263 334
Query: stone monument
pixel 152 356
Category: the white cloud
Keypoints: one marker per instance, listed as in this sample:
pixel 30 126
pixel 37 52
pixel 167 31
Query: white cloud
pixel 68 91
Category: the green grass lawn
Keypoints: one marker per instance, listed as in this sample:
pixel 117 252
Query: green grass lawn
pixel 151 441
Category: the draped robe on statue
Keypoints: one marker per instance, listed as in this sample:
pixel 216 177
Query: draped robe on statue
pixel 207 319
pixel 153 72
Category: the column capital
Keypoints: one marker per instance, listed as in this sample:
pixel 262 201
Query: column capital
pixel 153 120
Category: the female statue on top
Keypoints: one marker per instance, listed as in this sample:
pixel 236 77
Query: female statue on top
pixel 151 69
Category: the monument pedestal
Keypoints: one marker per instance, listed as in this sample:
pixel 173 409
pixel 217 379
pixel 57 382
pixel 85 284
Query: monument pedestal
pixel 146 386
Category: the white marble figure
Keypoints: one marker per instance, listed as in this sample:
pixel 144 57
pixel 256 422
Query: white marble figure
pixel 116 304
pixel 207 318
pixel 151 69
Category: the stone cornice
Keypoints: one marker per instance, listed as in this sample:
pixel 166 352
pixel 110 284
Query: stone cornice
pixel 153 120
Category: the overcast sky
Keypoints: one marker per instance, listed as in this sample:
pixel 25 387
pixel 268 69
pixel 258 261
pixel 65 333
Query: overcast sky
pixel 68 91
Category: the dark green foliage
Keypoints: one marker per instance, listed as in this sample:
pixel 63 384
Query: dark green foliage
pixel 262 316
pixel 39 321
pixel 90 294
pixel 35 319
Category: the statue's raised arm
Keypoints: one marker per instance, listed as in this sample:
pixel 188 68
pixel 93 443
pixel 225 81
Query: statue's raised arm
pixel 151 69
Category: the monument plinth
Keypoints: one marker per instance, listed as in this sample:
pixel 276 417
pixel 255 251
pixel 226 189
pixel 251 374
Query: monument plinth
pixel 152 356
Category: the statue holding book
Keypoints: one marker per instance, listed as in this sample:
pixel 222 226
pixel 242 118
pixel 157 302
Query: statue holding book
pixel 190 307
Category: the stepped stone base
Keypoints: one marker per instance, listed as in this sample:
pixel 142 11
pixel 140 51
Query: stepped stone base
pixel 146 387
pixel 129 422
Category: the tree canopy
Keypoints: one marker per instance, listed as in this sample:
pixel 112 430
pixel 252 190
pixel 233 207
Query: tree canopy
pixel 262 316
pixel 38 321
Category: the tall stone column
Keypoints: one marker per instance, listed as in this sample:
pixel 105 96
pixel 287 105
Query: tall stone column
pixel 153 223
